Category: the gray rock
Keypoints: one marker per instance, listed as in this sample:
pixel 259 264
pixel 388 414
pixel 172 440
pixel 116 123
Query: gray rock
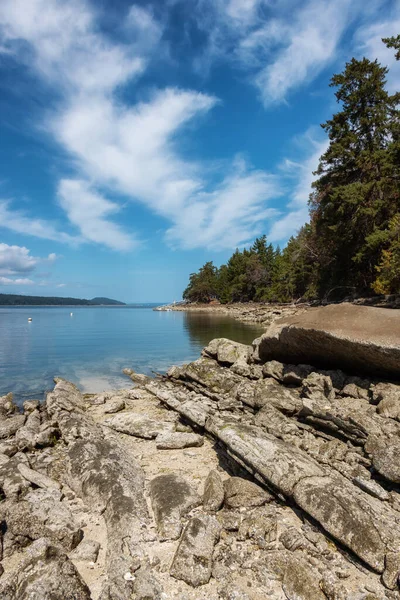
pixel 228 352
pixel 108 479
pixel 171 498
pixel 114 405
pixel 345 336
pixel 301 581
pixel 295 374
pixel 10 425
pixel 260 525
pixel 136 377
pixel 37 478
pixel 241 492
pixel 174 440
pixel 42 514
pixel 30 405
pixel 386 459
pixel 268 391
pixel 192 562
pixel 146 586
pixel 138 425
pixel 46 574
pixel 387 396
pixel 87 550
pixel 214 492
pixel 7 405
pixel 316 385
pixel 273 368
pixel 371 487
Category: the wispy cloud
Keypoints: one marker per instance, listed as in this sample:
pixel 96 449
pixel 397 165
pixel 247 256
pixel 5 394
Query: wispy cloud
pixel 368 42
pixel 129 149
pixel 21 222
pixel 299 176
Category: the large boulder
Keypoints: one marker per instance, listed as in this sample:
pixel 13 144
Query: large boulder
pixel 354 338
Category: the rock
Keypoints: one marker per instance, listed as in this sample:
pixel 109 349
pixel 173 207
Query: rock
pixel 228 352
pixel 108 479
pixel 316 385
pixel 241 492
pixel 7 405
pixel 386 459
pixel 171 498
pixel 192 562
pixel 229 519
pixel 390 576
pixel 260 526
pixel 47 574
pixel 268 391
pixel 42 514
pixel 87 550
pixel 295 374
pixel 31 405
pixel 38 479
pixel 146 586
pixel 138 425
pixel 371 487
pixel 136 377
pixel 114 405
pixel 387 397
pixel 10 425
pixel 174 440
pixel 351 390
pixel 214 492
pixel 301 581
pixel 25 437
pixel 273 368
pixel 353 338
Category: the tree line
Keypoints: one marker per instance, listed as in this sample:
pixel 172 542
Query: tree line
pixel 351 244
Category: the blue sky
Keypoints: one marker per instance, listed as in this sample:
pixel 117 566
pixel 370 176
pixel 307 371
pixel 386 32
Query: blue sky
pixel 139 140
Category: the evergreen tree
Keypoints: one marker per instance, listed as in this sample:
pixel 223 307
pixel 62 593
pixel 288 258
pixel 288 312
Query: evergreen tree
pixel 357 191
pixel 202 285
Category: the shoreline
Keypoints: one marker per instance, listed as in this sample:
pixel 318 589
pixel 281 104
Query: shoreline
pixel 246 312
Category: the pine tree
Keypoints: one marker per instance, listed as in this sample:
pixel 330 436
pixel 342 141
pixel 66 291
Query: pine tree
pixel 357 190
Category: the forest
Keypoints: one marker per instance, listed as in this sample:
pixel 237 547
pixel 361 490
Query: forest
pixel 351 244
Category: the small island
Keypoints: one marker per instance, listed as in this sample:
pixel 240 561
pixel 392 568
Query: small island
pixel 20 300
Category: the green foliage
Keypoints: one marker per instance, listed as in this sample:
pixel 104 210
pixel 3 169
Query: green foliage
pixel 352 242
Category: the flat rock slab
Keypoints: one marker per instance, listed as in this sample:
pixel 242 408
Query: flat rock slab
pixel 354 338
pixel 171 498
pixel 192 562
pixel 138 425
pixel 176 440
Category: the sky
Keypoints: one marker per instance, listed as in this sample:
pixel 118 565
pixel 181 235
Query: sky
pixel 140 140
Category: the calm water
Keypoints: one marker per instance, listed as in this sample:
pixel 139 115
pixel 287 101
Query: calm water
pixel 92 346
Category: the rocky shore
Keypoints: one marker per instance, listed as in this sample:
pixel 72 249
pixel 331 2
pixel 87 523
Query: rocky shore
pixel 235 477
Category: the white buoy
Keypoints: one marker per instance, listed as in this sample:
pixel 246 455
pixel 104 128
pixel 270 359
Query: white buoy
pixel 71 314
pixel 29 318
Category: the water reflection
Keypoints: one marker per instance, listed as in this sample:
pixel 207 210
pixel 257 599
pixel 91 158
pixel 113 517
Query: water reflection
pixel 203 327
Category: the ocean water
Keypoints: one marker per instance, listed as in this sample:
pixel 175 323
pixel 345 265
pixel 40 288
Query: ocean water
pixel 92 346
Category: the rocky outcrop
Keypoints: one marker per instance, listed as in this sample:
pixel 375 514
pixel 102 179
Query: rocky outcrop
pixel 227 479
pixel 353 338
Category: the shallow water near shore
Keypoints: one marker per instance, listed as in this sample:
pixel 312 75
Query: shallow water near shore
pixel 91 347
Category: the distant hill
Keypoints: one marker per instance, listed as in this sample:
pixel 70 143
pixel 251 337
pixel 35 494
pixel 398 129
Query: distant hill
pixel 106 301
pixel 18 300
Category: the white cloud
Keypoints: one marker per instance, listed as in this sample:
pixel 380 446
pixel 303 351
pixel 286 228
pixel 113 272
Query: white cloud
pixel 301 173
pixel 369 43
pixel 21 281
pixel 61 285
pixel 89 211
pixel 15 260
pixel 20 222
